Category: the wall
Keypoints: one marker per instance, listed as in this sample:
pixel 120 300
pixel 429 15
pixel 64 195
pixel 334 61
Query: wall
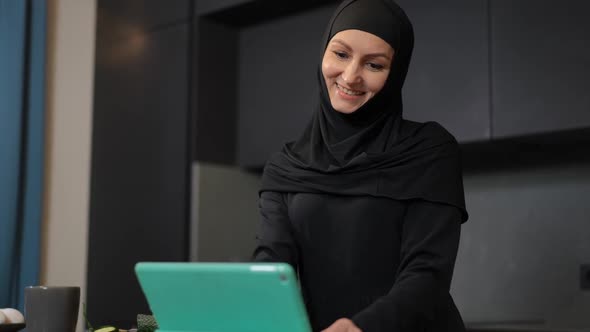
pixel 70 62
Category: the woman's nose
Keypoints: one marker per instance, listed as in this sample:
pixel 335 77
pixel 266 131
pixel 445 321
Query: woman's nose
pixel 351 73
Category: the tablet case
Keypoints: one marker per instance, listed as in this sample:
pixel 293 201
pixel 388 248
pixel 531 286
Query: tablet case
pixel 223 297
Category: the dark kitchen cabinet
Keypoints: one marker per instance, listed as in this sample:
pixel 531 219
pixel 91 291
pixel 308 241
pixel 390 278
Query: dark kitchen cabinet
pixel 139 192
pixel 483 69
pixel 448 80
pixel 277 85
pixel 540 66
pixel 255 76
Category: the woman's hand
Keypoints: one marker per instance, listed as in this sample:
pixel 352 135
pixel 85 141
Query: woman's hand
pixel 343 325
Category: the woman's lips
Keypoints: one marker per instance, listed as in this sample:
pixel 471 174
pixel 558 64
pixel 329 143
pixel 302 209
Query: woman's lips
pixel 348 94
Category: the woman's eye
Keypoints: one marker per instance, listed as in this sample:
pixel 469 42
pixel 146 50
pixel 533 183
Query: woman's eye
pixel 341 55
pixel 375 66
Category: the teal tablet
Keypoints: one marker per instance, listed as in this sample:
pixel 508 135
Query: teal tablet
pixel 223 297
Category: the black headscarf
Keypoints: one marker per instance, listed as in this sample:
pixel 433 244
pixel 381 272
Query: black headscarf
pixel 372 151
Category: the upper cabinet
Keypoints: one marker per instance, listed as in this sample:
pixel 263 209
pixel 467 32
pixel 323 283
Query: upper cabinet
pixel 540 66
pixel 448 80
pixel 277 84
pixel 255 78
pixel 484 69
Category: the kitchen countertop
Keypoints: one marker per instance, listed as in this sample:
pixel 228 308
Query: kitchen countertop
pixel 523 328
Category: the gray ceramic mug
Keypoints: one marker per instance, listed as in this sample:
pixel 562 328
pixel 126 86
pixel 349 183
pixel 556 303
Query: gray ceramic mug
pixel 51 309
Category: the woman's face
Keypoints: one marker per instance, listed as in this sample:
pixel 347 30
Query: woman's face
pixel 355 67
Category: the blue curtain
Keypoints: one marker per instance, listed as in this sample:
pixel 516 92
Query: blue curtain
pixel 22 108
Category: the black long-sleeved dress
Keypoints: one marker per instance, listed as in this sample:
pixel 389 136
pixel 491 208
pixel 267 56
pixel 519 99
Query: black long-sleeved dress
pixel 385 264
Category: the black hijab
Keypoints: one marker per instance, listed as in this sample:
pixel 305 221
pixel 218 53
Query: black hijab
pixel 372 151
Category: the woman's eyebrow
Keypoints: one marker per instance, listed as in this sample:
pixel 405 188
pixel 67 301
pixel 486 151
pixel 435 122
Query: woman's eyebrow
pixel 341 43
pixel 372 55
pixel 377 55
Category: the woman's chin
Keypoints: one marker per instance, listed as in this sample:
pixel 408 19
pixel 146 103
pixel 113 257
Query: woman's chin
pixel 345 108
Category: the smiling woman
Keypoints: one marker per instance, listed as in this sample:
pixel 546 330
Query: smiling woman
pixel 366 205
pixel 355 66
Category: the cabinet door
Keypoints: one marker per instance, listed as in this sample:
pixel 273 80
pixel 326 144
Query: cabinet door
pixel 138 205
pixel 540 66
pixel 277 85
pixel 448 80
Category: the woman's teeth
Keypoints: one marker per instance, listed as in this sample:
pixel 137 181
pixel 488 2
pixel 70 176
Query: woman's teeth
pixel 348 91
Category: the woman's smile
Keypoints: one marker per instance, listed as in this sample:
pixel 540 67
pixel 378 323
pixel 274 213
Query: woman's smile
pixel 348 94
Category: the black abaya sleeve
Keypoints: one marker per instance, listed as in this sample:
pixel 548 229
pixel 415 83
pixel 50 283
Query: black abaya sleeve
pixel 420 295
pixel 274 238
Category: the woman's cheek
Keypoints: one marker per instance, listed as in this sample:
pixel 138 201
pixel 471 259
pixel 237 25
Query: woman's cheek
pixel 329 68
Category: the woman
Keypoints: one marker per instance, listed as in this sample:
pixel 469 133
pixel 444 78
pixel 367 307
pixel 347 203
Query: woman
pixel 365 205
